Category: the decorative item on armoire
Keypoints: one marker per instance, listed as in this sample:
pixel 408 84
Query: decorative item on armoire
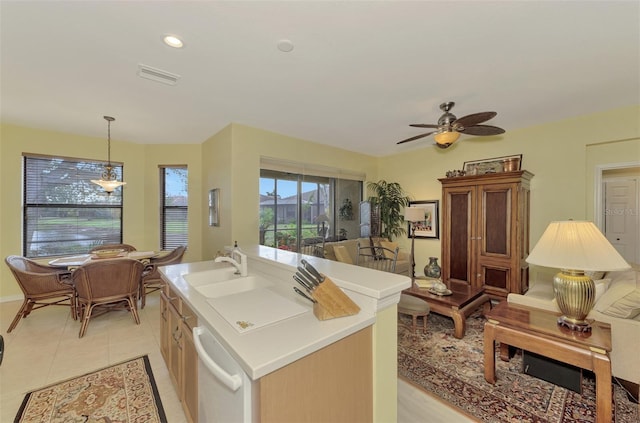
pixel 432 269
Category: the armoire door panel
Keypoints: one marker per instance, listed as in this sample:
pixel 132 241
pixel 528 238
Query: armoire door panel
pixel 496 222
pixel 460 236
pixel 496 277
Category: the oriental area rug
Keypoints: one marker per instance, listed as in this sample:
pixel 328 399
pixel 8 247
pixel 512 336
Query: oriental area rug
pixel 453 370
pixel 121 393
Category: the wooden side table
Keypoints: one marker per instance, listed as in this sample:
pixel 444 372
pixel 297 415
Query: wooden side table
pixel 537 331
pixel 458 305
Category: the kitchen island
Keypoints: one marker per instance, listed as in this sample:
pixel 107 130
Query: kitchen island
pixel 300 351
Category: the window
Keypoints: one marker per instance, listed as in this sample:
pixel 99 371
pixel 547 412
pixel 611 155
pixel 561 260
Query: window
pixel 174 199
pixel 300 209
pixel 63 211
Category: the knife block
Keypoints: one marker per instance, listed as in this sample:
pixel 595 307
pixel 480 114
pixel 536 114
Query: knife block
pixel 332 302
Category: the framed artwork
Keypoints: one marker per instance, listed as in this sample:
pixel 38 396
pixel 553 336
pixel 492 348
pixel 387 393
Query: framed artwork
pixel 214 207
pixel 430 226
pixel 493 165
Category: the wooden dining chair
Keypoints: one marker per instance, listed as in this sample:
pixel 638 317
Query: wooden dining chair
pixel 126 247
pixel 152 280
pixel 107 285
pixel 41 285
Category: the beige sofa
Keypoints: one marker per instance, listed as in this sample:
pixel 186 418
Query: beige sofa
pixel 617 303
pixel 403 263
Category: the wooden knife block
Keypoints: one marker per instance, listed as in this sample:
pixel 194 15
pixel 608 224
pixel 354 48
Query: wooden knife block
pixel 332 302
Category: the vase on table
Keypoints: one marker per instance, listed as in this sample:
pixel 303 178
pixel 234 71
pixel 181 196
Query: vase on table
pixel 432 269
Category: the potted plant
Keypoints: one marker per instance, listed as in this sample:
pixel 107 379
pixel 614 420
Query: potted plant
pixel 390 199
pixel 346 210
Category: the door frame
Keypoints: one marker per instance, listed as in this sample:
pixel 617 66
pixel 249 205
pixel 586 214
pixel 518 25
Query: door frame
pixel 598 203
pixel 598 206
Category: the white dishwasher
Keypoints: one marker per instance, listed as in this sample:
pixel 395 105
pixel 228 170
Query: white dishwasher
pixel 224 389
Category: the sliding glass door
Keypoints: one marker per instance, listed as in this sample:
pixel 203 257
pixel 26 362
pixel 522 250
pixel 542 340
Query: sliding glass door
pixel 300 209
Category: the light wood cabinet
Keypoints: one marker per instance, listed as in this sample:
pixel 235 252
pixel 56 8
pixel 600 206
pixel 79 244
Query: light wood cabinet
pixel 485 231
pixel 178 349
pixel 333 384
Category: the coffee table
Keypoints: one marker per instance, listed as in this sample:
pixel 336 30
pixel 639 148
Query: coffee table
pixel 537 331
pixel 463 301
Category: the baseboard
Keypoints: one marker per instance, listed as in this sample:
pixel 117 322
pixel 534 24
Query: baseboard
pixel 10 298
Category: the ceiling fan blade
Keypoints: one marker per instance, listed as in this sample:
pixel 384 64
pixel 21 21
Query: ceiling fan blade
pixel 424 125
pixel 415 138
pixel 474 119
pixel 482 130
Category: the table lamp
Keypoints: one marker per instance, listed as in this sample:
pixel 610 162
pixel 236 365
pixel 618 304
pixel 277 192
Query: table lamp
pixel 413 215
pixel 575 247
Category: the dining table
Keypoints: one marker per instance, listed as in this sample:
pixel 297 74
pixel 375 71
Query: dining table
pixel 78 260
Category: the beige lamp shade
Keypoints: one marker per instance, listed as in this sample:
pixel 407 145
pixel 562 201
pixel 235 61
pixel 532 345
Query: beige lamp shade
pixel 414 214
pixel 576 245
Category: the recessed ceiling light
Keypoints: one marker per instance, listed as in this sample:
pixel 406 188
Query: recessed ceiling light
pixel 173 41
pixel 285 46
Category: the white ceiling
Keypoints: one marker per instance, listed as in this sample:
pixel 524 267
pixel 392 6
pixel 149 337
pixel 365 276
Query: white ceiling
pixel 359 73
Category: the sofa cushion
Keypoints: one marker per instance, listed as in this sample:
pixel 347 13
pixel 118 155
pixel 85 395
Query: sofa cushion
pixel 390 245
pixel 342 255
pixel 622 299
pixel 595 275
pixel 601 287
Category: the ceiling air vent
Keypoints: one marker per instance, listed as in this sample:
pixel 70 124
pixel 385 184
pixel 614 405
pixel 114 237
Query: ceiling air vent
pixel 158 75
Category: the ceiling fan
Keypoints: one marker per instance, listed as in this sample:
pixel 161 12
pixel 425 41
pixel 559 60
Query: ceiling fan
pixel 449 127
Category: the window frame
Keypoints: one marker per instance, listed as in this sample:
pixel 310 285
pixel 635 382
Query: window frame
pixel 164 245
pixel 28 205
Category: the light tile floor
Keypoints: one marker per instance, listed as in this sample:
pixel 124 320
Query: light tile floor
pixel 44 349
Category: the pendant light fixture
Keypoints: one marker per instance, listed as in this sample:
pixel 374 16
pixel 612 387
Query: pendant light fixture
pixel 109 180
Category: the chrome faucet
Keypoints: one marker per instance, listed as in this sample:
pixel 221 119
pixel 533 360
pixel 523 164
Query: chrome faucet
pixel 238 259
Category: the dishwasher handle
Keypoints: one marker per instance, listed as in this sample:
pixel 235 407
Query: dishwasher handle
pixel 233 382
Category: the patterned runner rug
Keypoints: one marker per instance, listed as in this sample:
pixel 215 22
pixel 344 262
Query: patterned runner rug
pixel 121 393
pixel 453 370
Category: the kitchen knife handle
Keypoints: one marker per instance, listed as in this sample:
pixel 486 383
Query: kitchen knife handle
pixel 303 283
pixel 307 276
pixel 309 268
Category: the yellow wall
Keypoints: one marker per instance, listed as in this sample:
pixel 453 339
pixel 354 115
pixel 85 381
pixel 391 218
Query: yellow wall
pixel 232 163
pixel 561 155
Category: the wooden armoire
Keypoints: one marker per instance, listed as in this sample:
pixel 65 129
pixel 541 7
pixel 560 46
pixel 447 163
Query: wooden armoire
pixel 485 231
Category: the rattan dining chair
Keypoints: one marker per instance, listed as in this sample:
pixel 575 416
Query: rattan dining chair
pixel 41 285
pixel 152 281
pixel 126 247
pixel 107 285
pixel 378 258
pixel 313 246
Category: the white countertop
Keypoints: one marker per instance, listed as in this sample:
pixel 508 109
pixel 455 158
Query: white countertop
pixel 265 349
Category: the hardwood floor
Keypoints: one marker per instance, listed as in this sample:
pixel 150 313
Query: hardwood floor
pixel 44 348
pixel 416 406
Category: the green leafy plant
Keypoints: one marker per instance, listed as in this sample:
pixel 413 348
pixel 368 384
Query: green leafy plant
pixel 390 199
pixel 346 210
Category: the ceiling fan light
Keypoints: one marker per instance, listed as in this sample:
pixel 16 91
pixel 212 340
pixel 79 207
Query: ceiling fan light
pixel 447 137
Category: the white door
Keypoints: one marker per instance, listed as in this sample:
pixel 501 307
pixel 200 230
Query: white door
pixel 621 217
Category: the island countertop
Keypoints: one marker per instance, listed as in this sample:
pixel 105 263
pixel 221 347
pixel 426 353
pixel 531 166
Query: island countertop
pixel 266 349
